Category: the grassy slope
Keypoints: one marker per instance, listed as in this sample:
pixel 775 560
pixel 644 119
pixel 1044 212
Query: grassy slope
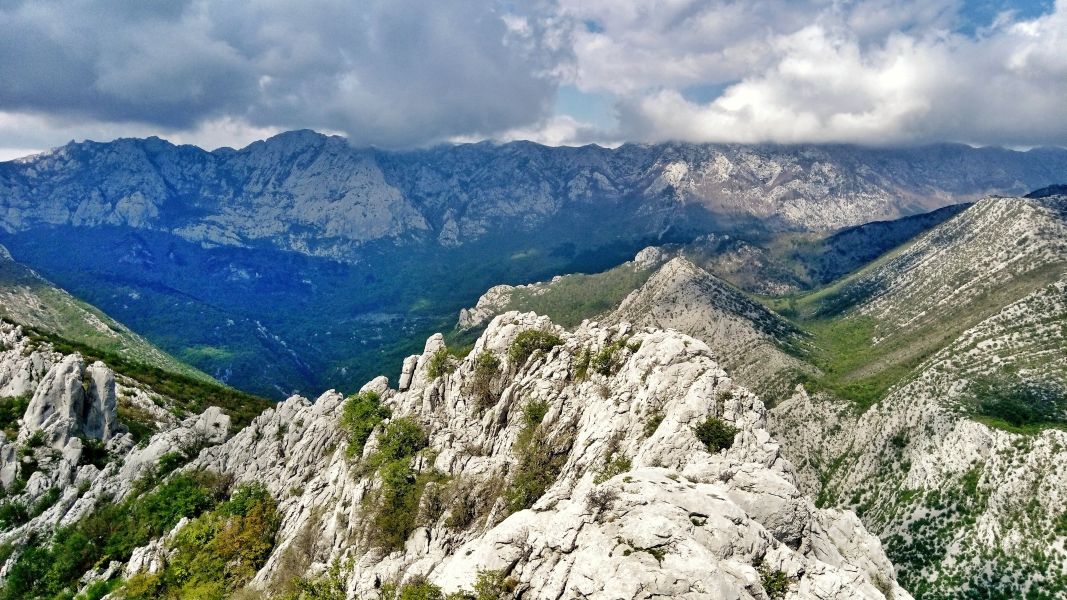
pixel 29 300
pixel 861 357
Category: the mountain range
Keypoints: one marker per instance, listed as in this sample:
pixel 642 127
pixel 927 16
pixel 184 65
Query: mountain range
pixel 255 245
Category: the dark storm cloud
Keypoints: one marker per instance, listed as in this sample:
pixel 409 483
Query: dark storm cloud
pixel 385 72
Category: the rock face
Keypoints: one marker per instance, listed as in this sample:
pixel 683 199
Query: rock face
pixel 961 505
pixel 634 506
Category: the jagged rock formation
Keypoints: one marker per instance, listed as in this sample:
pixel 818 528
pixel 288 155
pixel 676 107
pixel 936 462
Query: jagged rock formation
pixel 978 304
pixel 677 520
pixel 71 406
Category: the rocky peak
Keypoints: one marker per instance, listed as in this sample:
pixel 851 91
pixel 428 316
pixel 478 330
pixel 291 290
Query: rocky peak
pixel 574 469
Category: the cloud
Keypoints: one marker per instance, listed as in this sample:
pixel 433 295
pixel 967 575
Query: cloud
pixel 387 72
pixel 401 73
pixel 828 84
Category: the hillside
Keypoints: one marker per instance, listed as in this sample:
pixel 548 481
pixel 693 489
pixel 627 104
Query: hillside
pixel 28 299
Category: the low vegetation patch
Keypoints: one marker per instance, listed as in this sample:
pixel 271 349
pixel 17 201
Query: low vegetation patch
pixel 441 363
pixel 362 412
pixel 51 568
pixel 394 511
pixel 540 459
pixel 216 553
pixel 530 341
pixel 483 384
pixel 715 434
pixel 12 408
pixel 1009 402
pixel 775 583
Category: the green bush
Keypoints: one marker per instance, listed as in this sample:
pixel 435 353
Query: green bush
pixel 715 434
pixel 395 510
pixel 111 532
pixel 775 583
pixel 401 439
pixel 12 408
pixel 486 370
pixel 13 513
pixel 493 585
pixel 326 586
pixel 46 501
pixel 418 588
pixel 534 412
pixel 530 341
pixel 216 553
pixel 653 421
pixel 361 414
pixel 540 460
pixel 581 364
pixel 441 363
pixel 94 452
pixel 606 362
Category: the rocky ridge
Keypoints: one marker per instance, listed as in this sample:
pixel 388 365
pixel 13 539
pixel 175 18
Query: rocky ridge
pixel 636 506
pixel 677 520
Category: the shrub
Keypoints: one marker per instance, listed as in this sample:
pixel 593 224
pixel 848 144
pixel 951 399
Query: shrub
pixel 12 408
pixel 401 439
pixel 606 362
pixel 654 419
pixel 441 363
pixel 530 341
pixel 395 511
pixel 361 414
pixel 493 585
pixel 616 465
pixel 329 585
pixel 540 462
pixel 581 364
pixel 486 370
pixel 111 532
pixel 217 552
pixel 46 501
pixel 139 421
pixel 715 434
pixel 534 412
pixel 13 513
pixel 94 452
pixel 775 583
pixel 418 588
pixel 169 462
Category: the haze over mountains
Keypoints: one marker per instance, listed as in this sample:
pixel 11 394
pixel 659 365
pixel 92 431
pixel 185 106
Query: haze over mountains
pixel 256 245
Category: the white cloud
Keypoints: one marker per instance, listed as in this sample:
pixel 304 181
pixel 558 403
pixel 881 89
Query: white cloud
pixel 403 72
pixel 826 83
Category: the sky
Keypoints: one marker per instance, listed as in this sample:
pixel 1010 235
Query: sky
pixel 411 73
